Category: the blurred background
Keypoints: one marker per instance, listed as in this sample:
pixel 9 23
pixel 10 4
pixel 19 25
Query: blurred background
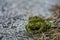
pixel 14 16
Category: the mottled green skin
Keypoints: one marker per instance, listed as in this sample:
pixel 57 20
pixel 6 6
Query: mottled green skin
pixel 37 25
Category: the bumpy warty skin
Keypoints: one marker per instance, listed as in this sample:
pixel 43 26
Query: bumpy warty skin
pixel 14 16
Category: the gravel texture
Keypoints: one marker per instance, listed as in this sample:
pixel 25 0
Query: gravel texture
pixel 14 16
